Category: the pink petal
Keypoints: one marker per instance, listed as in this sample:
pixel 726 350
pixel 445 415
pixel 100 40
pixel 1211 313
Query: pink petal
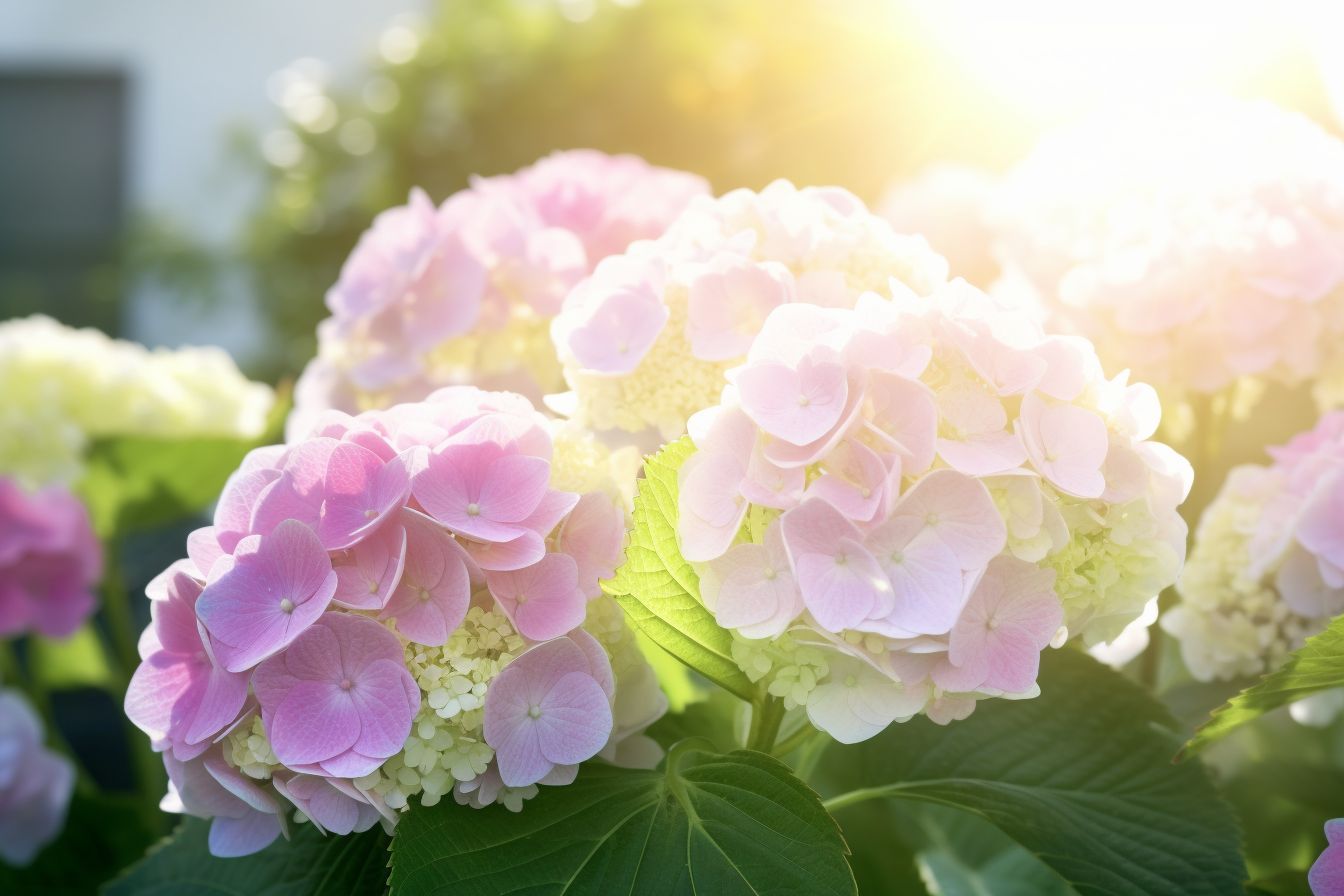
pixel 853 481
pixel 797 405
pixel 620 330
pixel 959 512
pixel 514 485
pixel 384 716
pixel 925 575
pixel 434 594
pixel 594 535
pixel 903 413
pixel 575 720
pixel 369 572
pixel 524 549
pixel 543 600
pixel 840 582
pixel 315 721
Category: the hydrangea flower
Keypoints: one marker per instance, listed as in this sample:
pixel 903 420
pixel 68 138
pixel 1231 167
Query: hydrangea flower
pixel 372 606
pixel 50 561
pixel 465 292
pixel 896 508
pixel 65 387
pixel 35 783
pixel 646 339
pixel 1267 567
pixel 1197 243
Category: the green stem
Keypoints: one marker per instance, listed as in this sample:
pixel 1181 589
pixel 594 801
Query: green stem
pixel 812 753
pixel 863 794
pixel 119 614
pixel 10 674
pixel 802 736
pixel 766 715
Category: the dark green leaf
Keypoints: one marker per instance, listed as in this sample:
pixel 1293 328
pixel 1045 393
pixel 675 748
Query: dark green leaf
pixel 1081 777
pixel 307 865
pixel 739 823
pixel 102 835
pixel 1317 666
pixel 659 590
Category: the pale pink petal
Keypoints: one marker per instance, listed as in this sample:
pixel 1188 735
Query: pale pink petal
pixel 368 573
pixel 315 721
pixel 574 721
pixel 543 600
pixel 798 405
pixel 959 512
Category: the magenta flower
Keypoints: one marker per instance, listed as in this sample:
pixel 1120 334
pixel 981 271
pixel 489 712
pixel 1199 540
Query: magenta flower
pixel 340 490
pixel 338 701
pixel 279 585
pixel 547 709
pixel 1326 876
pixel 434 593
pixel 543 600
pixel 50 561
pixel 35 783
pixel 179 695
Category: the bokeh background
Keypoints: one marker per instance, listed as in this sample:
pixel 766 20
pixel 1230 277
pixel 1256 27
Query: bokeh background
pixel 175 173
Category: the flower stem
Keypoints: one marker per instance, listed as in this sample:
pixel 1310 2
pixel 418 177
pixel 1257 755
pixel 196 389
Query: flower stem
pixel 766 715
pixel 863 794
pixel 797 739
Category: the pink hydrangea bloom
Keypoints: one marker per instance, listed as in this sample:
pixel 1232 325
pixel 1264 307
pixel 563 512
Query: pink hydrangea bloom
pixel 50 561
pixel 366 610
pixel 1267 567
pixel 35 783
pixel 432 296
pixel 1326 876
pixel 897 508
pixel 1196 242
pixel 646 338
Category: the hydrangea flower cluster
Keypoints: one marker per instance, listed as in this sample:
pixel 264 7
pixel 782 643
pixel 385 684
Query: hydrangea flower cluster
pixel 392 606
pixel 465 292
pixel 50 561
pixel 35 783
pixel 64 387
pixel 1198 243
pixel 897 508
pixel 646 339
pixel 1267 567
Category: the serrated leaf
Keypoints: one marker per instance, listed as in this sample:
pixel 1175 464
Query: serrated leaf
pixel 307 865
pixel 1317 666
pixel 1081 777
pixel 659 590
pixel 739 823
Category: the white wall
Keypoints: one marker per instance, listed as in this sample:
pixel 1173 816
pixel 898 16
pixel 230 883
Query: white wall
pixel 197 71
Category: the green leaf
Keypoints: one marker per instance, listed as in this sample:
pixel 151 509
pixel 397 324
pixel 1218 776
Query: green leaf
pixel 308 865
pixel 1317 666
pixel 73 662
pixel 1081 776
pixel 659 590
pixel 102 834
pixel 139 482
pixel 739 823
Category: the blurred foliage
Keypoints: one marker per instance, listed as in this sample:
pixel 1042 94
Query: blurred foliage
pixel 102 835
pixel 834 91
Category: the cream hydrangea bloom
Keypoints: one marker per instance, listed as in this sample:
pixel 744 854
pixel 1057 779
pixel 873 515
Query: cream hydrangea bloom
pixel 1198 243
pixel 1267 567
pixel 646 340
pixel 64 387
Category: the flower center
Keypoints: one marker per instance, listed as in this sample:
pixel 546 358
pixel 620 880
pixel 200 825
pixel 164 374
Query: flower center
pixel 991 623
pixel 770 573
pixel 851 681
pixel 346 684
pixel 534 712
pixel 897 558
pixel 473 509
pixel 931 519
pixel 803 401
pixel 370 513
pixel 520 599
pixel 286 605
pixel 841 559
pixel 424 594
